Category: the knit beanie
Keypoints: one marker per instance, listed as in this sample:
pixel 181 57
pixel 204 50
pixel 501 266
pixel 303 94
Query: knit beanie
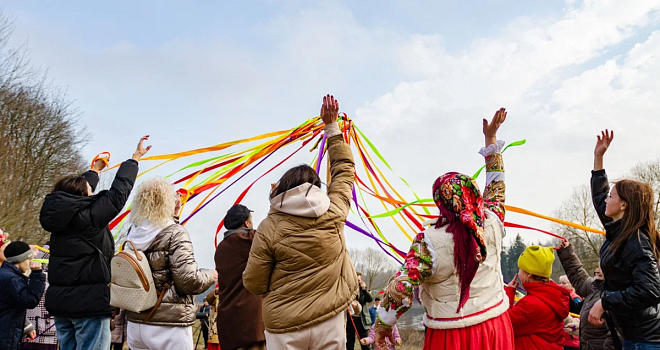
pixel 537 260
pixel 17 252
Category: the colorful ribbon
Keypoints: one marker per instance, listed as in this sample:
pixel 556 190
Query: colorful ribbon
pixel 232 166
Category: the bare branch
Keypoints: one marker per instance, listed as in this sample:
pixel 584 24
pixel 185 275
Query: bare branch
pixel 40 139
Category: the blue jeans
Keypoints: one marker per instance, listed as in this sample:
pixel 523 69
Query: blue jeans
pixel 633 345
pixel 89 333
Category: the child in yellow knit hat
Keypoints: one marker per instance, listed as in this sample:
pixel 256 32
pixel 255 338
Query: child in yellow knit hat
pixel 538 318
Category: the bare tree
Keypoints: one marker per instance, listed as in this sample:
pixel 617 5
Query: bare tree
pixel 40 140
pixel 579 208
pixel 649 172
pixel 376 267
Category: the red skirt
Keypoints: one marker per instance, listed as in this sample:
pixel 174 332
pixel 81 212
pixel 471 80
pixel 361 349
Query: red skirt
pixel 494 334
pixel 214 346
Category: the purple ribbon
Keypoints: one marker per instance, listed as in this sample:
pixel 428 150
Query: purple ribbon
pixel 318 161
pixel 39 335
pixel 359 229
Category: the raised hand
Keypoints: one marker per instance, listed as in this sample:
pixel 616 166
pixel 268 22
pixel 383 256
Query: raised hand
pixel 329 109
pixel 141 150
pixel 490 129
pixel 99 165
pixel 564 244
pixel 177 203
pixel 604 140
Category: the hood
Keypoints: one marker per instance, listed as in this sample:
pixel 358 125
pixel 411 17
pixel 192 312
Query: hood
pixel 143 234
pixel 302 201
pixel 555 296
pixel 60 207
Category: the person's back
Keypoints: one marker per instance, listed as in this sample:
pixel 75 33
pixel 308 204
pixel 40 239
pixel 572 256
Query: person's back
pixel 81 247
pixel 456 262
pixel 538 318
pixel 299 260
pixel 440 293
pixel 172 263
pixel 78 275
pixel 168 248
pixel 310 255
pixel 237 306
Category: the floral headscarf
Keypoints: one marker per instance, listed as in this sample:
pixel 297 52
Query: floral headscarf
pixel 462 211
pixel 4 237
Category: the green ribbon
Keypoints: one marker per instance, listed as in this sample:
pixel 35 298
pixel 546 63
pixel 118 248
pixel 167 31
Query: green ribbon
pixel 512 144
pixel 429 200
pixel 373 148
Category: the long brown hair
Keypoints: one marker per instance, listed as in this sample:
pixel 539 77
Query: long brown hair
pixel 639 216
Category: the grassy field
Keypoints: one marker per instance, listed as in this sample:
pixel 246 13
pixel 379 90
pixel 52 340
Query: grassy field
pixel 412 339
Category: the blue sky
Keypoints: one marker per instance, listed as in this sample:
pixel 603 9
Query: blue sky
pixel 417 76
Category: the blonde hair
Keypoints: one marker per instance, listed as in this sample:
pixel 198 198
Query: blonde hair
pixel 154 202
pixel 564 279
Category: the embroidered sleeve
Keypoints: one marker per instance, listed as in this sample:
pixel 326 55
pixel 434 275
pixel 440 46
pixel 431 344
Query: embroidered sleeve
pixel 398 296
pixel 494 194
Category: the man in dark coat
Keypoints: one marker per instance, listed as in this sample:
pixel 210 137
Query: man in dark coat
pixel 206 310
pixel 237 306
pixel 18 292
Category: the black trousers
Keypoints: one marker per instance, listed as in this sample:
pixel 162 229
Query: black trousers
pixel 350 333
pixel 205 332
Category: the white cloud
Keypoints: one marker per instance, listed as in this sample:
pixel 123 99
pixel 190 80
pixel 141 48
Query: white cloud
pixel 529 67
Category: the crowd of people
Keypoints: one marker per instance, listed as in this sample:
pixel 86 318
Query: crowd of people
pixel 291 284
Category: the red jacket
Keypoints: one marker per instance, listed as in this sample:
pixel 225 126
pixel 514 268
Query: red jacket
pixel 538 318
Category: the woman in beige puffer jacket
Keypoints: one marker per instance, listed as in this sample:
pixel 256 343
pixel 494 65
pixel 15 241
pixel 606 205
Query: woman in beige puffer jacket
pixel 298 260
pixel 169 250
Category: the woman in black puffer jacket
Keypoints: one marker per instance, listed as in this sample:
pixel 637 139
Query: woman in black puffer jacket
pixel 81 247
pixel 629 256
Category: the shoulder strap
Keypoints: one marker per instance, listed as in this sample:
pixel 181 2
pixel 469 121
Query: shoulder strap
pixel 160 299
pixel 615 336
pixel 162 292
pixel 91 244
pixel 101 256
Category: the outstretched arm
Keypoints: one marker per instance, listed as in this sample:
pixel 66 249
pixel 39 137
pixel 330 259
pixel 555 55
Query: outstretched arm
pixel 604 140
pixel 110 204
pixel 576 273
pixel 342 166
pixel 494 194
pixel 600 187
pixel 398 296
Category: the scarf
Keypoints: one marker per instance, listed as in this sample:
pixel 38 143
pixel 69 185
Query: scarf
pixel 462 211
